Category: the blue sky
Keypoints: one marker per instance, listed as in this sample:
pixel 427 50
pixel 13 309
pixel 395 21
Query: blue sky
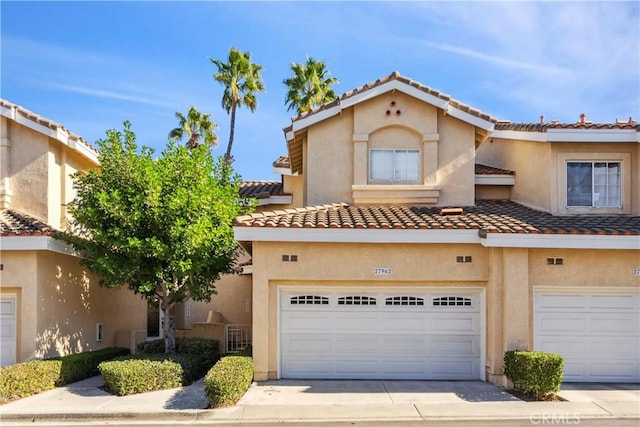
pixel 92 65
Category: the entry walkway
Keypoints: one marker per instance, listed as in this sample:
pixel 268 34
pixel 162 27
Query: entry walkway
pixel 286 400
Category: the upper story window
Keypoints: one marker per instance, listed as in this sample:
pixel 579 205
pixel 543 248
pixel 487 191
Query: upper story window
pixel 394 165
pixel 594 184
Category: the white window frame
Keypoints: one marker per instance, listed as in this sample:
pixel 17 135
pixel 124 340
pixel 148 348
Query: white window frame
pixel 593 193
pixel 395 171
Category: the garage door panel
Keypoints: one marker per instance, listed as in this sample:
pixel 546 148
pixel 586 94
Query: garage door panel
pixel 599 340
pixel 455 346
pixel 618 302
pixel 303 344
pixel 614 323
pixel 8 334
pixel 462 323
pixel 356 345
pixel 395 341
pixel 561 323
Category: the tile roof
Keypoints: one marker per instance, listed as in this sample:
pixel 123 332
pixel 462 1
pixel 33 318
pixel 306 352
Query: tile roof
pixel 490 170
pixel 13 223
pixel 543 127
pixel 489 216
pixel 36 118
pixel 260 189
pixel 395 76
pixel 282 162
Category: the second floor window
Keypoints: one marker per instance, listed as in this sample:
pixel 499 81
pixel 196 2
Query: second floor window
pixel 594 184
pixel 394 165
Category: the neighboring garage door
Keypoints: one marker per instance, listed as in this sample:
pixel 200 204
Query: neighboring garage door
pixel 598 334
pixel 7 330
pixel 354 334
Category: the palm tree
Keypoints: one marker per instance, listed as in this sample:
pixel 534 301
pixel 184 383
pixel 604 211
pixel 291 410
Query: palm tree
pixel 197 127
pixel 241 80
pixel 310 86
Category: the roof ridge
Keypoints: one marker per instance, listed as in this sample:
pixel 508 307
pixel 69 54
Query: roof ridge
pixel 49 123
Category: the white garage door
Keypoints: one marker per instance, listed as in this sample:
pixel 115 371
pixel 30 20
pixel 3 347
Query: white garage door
pixel 598 334
pixel 7 330
pixel 392 335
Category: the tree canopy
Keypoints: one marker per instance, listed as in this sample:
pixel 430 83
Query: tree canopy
pixel 310 86
pixel 242 81
pixel 197 127
pixel 161 226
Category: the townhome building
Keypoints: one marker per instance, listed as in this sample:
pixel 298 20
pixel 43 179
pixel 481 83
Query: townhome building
pixel 425 238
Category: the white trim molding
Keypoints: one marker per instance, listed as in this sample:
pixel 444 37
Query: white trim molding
pixel 275 200
pixel 565 241
pixel 571 135
pixel 36 243
pixel 495 180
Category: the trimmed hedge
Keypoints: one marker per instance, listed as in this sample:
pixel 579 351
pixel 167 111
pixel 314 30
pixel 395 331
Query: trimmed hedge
pixel 151 372
pixel 29 378
pixel 228 380
pixel 207 348
pixel 76 367
pixel 536 373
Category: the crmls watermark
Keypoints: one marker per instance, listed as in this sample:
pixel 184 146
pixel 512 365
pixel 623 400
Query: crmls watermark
pixel 546 418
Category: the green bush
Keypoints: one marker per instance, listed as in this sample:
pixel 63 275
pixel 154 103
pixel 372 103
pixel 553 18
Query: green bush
pixel 228 380
pixel 149 372
pixel 536 373
pixel 124 377
pixel 28 378
pixel 76 367
pixel 36 376
pixel 209 349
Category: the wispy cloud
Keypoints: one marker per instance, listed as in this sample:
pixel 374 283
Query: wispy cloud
pixel 111 95
pixel 500 61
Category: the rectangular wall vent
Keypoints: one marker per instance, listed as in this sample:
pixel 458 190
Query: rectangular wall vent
pixel 555 261
pixel 464 259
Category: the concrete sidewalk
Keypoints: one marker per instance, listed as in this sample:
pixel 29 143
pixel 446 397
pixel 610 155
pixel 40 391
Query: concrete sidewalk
pixel 287 400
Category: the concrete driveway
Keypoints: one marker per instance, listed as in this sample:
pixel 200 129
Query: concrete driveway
pixel 330 392
pixel 621 398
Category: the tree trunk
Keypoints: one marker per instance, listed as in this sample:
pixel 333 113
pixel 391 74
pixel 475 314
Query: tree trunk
pixel 169 325
pixel 227 156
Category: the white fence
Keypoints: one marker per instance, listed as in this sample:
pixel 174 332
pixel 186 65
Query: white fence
pixel 237 337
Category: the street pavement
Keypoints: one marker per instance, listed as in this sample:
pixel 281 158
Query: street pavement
pixel 324 400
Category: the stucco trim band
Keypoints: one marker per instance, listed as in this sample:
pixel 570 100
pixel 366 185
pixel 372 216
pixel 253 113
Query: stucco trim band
pixel 36 243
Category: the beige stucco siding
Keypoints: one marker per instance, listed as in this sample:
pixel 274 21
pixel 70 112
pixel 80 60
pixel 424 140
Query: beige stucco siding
pixel 329 160
pixel 533 165
pixel 28 165
pixel 606 268
pixel 70 302
pixel 456 162
pixel 18 277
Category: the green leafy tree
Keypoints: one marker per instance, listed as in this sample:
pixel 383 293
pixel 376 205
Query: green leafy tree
pixel 197 127
pixel 161 226
pixel 242 80
pixel 309 86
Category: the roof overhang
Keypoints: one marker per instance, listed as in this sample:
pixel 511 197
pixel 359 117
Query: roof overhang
pixel 571 135
pixel 275 200
pixel 389 86
pixel 377 236
pixel 36 243
pixel 495 180
pixel 65 137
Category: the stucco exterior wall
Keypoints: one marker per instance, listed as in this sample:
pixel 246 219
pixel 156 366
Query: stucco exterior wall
pixel 28 166
pixel 456 162
pixel 18 277
pixel 70 302
pixel 533 164
pixel 329 160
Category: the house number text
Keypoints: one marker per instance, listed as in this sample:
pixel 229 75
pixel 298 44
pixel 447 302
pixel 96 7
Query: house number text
pixel 382 271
